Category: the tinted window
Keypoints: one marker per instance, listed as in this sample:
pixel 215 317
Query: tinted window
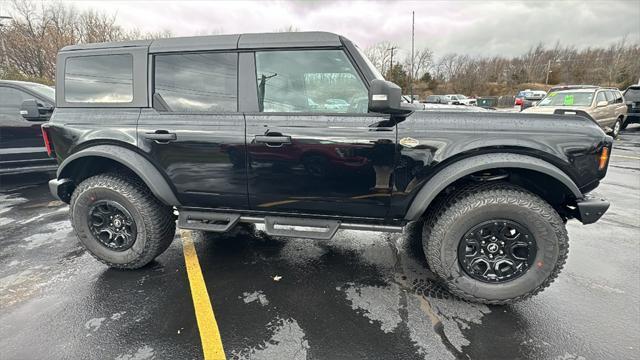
pixel 632 94
pixel 99 79
pixel 197 82
pixel 10 101
pixel 322 81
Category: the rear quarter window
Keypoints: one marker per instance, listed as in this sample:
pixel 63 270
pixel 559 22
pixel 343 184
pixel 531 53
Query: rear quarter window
pixel 99 79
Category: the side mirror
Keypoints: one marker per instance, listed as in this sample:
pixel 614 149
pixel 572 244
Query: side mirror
pixel 31 110
pixel 602 103
pixel 385 97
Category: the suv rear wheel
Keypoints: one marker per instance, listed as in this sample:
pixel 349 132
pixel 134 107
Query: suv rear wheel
pixel 120 222
pixel 495 243
pixel 616 128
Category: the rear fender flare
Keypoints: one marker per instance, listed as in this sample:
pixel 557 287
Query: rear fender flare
pixel 133 161
pixel 464 167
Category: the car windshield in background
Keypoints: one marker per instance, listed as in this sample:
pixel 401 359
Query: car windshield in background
pixel 567 98
pixel 632 95
pixel 44 90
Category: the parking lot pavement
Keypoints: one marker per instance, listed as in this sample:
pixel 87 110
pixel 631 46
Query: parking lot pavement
pixel 360 295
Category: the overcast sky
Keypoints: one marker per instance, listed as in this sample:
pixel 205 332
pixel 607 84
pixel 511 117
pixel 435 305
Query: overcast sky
pixel 470 27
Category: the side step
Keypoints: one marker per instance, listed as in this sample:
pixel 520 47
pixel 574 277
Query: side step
pixel 321 229
pixel 207 221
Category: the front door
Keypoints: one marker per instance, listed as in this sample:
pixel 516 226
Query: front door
pixel 194 131
pixel 312 148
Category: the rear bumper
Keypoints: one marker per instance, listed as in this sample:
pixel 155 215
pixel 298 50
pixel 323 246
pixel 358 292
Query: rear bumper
pixel 61 189
pixel 591 210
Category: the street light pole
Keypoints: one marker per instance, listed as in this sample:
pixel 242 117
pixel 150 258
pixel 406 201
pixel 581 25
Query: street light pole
pixel 413 32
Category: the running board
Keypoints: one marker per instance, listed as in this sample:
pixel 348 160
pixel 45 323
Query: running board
pixel 310 228
pixel 300 227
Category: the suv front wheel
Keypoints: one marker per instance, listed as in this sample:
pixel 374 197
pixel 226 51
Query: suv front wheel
pixel 119 221
pixel 495 243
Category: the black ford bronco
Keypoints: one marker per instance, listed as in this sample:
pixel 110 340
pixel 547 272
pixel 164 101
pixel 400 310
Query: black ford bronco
pixel 299 132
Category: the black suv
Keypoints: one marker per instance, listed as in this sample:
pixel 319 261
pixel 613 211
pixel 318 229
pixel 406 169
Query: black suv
pixel 299 132
pixel 632 98
pixel 24 106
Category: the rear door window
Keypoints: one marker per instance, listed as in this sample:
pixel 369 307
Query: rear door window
pixel 198 82
pixel 99 79
pixel 610 97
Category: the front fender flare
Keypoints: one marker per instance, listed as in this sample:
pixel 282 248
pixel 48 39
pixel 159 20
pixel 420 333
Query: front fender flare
pixel 133 161
pixel 464 167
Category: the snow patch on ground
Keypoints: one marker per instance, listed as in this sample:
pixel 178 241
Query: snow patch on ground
pixel 288 342
pixel 376 303
pixel 143 353
pixel 255 296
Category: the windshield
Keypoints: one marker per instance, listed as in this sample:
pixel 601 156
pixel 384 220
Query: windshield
pixel 44 90
pixel 567 98
pixel 632 94
pixel 374 69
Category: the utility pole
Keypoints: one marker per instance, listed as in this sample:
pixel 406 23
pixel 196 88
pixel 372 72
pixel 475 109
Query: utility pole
pixel 546 82
pixel 413 32
pixel 392 49
pixel 4 49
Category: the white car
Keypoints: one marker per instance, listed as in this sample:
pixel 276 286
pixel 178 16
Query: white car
pixel 459 99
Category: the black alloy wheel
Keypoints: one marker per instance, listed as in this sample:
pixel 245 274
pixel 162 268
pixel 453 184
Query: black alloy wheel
pixel 112 225
pixel 497 251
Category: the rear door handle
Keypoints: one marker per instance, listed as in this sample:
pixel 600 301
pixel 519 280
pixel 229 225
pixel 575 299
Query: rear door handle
pixel 161 136
pixel 273 141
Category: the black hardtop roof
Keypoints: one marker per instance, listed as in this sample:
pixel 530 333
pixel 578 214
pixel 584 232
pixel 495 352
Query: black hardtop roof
pixel 222 42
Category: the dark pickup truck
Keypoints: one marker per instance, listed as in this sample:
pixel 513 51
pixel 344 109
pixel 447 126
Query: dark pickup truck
pixel 231 129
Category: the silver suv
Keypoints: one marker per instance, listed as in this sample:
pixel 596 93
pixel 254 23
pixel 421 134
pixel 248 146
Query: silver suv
pixel 605 105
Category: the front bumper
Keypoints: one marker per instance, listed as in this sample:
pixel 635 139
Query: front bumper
pixel 61 189
pixel 591 210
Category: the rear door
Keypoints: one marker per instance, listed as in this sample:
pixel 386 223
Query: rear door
pixel 312 147
pixel 194 131
pixel 21 143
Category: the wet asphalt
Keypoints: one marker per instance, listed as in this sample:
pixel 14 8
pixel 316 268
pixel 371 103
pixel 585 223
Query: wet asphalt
pixel 360 295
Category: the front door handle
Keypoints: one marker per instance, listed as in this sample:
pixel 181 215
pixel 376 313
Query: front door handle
pixel 273 141
pixel 161 136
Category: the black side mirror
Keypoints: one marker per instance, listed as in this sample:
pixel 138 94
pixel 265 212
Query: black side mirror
pixel 32 110
pixel 385 97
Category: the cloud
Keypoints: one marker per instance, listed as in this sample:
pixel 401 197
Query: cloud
pixel 472 27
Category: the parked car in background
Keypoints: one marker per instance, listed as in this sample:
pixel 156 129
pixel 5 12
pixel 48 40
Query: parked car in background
pixel 530 97
pixel 436 99
pixel 605 105
pixel 24 106
pixel 459 99
pixel 632 98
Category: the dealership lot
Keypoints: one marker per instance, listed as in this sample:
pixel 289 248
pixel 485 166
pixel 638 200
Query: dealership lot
pixel 360 295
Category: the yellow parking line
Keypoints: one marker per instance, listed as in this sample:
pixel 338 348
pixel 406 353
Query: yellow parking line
pixel 209 333
pixel 626 157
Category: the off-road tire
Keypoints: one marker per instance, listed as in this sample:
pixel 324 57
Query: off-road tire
pixel 462 209
pixel 154 221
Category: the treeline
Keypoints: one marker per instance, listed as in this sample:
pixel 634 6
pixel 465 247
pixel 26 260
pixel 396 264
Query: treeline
pixel 38 30
pixel 615 65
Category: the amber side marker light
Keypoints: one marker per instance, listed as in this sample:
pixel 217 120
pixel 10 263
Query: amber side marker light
pixel 604 156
